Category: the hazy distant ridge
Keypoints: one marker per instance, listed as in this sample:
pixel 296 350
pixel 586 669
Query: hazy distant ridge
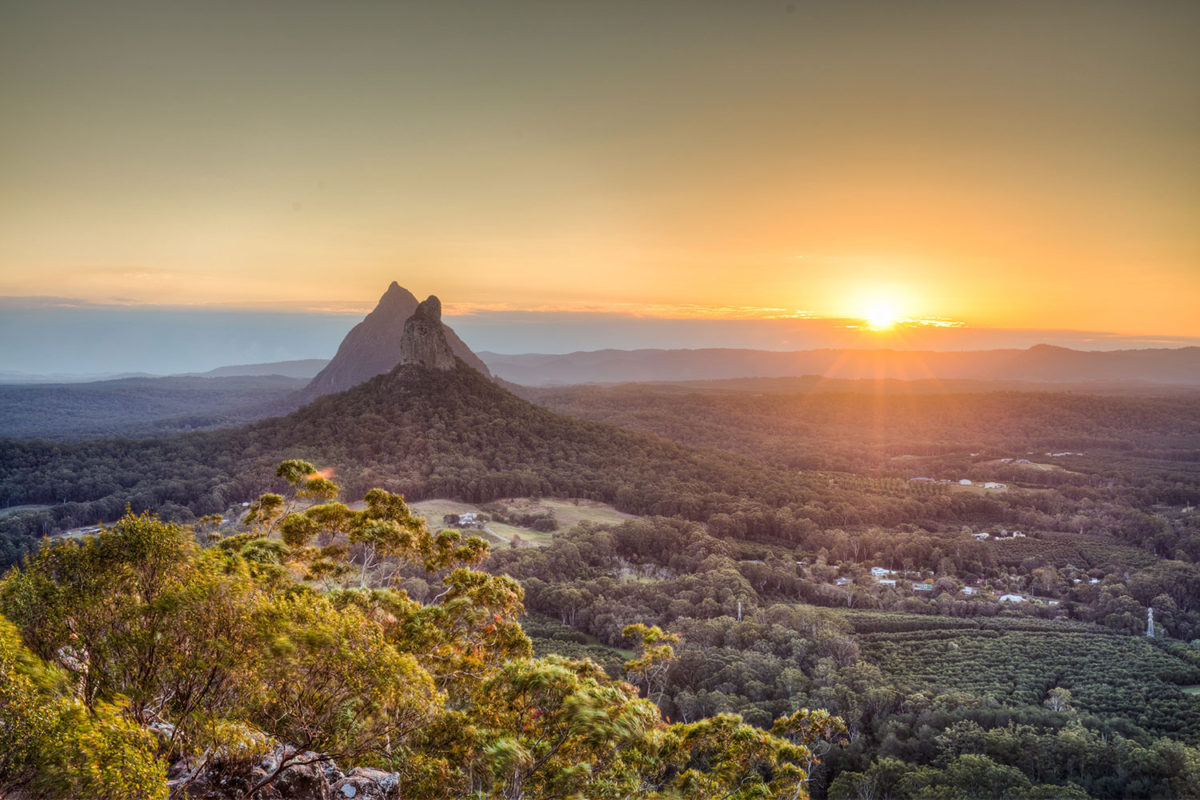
pixel 1043 363
pixel 300 368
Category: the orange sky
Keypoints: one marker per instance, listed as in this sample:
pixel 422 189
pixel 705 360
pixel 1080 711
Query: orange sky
pixel 1002 164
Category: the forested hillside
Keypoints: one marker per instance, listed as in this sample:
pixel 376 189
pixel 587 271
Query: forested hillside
pixel 431 434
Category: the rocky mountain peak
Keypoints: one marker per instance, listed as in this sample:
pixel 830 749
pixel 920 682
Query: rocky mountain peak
pixel 374 346
pixel 424 341
pixel 396 297
pixel 430 309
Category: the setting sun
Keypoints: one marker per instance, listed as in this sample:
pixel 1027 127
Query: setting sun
pixel 880 316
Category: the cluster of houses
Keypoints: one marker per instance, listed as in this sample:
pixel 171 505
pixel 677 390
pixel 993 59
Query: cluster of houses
pixel 1003 534
pixel 1023 598
pixel 468 519
pixel 887 577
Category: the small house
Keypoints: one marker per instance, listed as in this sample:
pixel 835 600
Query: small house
pixel 1011 598
pixel 980 536
pixel 965 482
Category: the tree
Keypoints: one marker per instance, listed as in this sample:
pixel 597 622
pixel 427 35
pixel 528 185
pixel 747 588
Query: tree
pixel 25 719
pixel 334 684
pixel 976 777
pixel 877 783
pixel 816 731
pixel 1058 699
pixel 556 728
pixel 655 654
pixel 58 746
pixel 722 757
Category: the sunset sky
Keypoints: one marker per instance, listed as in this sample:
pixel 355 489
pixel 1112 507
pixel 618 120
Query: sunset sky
pixel 1000 165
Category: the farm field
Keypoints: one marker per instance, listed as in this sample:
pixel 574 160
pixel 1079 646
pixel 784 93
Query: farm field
pixel 1108 675
pixel 1069 549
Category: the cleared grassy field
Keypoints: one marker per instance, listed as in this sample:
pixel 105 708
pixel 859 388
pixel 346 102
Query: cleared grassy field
pixel 572 512
pixel 22 509
pixel 569 513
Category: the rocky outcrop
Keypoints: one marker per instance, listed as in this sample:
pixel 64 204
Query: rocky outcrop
pixel 424 341
pixel 367 784
pixel 372 347
pixel 307 776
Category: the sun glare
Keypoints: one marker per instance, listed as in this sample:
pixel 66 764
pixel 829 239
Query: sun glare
pixel 880 316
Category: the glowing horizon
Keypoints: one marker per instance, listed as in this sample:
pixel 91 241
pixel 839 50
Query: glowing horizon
pixel 1024 166
pixel 661 311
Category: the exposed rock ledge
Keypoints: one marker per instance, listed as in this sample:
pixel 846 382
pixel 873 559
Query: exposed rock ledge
pixel 311 777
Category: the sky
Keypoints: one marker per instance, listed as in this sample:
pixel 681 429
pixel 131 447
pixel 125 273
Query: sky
pixel 751 174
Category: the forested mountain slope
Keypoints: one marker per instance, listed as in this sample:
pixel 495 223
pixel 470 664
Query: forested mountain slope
pixel 417 431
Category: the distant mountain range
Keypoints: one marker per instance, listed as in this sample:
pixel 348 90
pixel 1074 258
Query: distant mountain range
pixel 1043 363
pixel 11 378
pixel 302 368
pixel 147 405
